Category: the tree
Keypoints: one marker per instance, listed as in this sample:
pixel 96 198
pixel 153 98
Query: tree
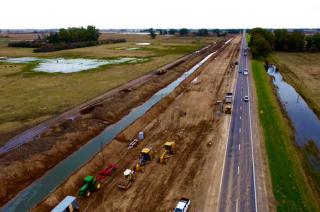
pixel 172 31
pixel 183 32
pixel 313 43
pixel 203 32
pixel 281 39
pixel 73 34
pixel 261 42
pixel 152 34
pixel 296 42
pixel 260 47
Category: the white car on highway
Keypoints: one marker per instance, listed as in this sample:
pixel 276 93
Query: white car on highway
pixel 245 73
pixel 182 205
pixel 246 98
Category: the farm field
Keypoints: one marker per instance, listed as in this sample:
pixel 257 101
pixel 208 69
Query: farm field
pixel 31 97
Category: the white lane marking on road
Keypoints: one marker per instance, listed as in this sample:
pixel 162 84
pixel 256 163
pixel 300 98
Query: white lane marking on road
pixel 252 155
pixel 237 205
pixel 240 117
pixel 239 130
pixel 239 147
pixel 240 108
pixel 238 169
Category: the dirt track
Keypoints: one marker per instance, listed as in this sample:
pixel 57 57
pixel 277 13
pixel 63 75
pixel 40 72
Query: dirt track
pixel 23 165
pixel 200 132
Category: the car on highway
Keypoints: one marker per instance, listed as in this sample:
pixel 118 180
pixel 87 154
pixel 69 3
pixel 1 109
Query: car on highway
pixel 240 71
pixel 246 98
pixel 182 205
pixel 245 73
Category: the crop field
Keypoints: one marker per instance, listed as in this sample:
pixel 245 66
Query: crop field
pixel 290 184
pixel 302 70
pixel 30 97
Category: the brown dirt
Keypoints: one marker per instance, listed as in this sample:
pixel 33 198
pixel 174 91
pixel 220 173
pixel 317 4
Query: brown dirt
pixel 22 166
pixel 189 117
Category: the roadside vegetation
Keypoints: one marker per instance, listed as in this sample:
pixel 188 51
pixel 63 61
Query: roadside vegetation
pixel 290 184
pixel 264 41
pixel 29 97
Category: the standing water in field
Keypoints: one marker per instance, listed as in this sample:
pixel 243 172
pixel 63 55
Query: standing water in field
pixel 304 120
pixel 61 65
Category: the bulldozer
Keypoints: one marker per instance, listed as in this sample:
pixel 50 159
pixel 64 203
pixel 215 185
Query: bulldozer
pixel 126 182
pixel 90 184
pixel 228 109
pixel 169 150
pixel 144 157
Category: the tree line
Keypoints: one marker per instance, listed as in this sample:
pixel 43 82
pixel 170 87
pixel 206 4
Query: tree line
pixel 74 34
pixel 186 32
pixel 263 41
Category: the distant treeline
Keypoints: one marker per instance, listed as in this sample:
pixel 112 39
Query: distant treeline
pixel 263 42
pixel 74 34
pixel 66 39
pixel 50 47
pixel 187 32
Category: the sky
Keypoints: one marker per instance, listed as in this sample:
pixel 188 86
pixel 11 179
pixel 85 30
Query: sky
pixel 117 14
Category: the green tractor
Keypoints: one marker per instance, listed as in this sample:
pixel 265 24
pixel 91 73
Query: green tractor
pixel 90 184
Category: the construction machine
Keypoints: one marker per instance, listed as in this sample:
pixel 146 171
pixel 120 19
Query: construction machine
pixel 144 157
pixel 90 184
pixel 228 109
pixel 126 182
pixel 169 150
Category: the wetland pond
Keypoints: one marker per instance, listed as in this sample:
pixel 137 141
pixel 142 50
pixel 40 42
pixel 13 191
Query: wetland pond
pixel 62 65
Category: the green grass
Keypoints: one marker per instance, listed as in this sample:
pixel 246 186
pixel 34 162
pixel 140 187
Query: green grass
pixel 290 185
pixel 248 36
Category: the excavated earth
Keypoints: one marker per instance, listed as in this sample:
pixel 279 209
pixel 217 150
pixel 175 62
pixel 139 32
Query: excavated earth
pixel 21 166
pixel 188 116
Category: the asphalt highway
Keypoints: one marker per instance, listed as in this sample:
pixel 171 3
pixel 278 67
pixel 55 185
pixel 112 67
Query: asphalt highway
pixel 238 187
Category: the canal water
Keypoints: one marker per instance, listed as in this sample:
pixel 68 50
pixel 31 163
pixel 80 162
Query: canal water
pixel 37 191
pixel 304 120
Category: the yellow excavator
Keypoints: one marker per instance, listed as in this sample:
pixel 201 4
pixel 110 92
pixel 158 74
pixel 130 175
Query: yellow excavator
pixel 144 157
pixel 169 151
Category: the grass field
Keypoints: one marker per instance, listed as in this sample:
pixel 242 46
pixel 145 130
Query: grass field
pixel 302 70
pixel 290 184
pixel 28 98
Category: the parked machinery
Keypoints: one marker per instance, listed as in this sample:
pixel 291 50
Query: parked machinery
pixel 129 178
pixel 144 157
pixel 169 151
pixel 90 184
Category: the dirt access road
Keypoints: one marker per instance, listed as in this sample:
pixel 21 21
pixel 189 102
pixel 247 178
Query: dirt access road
pixel 23 165
pixel 189 117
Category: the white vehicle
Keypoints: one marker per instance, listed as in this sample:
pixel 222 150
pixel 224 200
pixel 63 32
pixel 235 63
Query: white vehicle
pixel 69 203
pixel 182 205
pixel 245 73
pixel 246 98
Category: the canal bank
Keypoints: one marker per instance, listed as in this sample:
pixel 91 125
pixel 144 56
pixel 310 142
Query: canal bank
pixel 291 185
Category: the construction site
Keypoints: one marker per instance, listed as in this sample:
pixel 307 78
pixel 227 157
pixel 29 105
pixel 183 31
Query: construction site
pixel 176 149
pixel 190 119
